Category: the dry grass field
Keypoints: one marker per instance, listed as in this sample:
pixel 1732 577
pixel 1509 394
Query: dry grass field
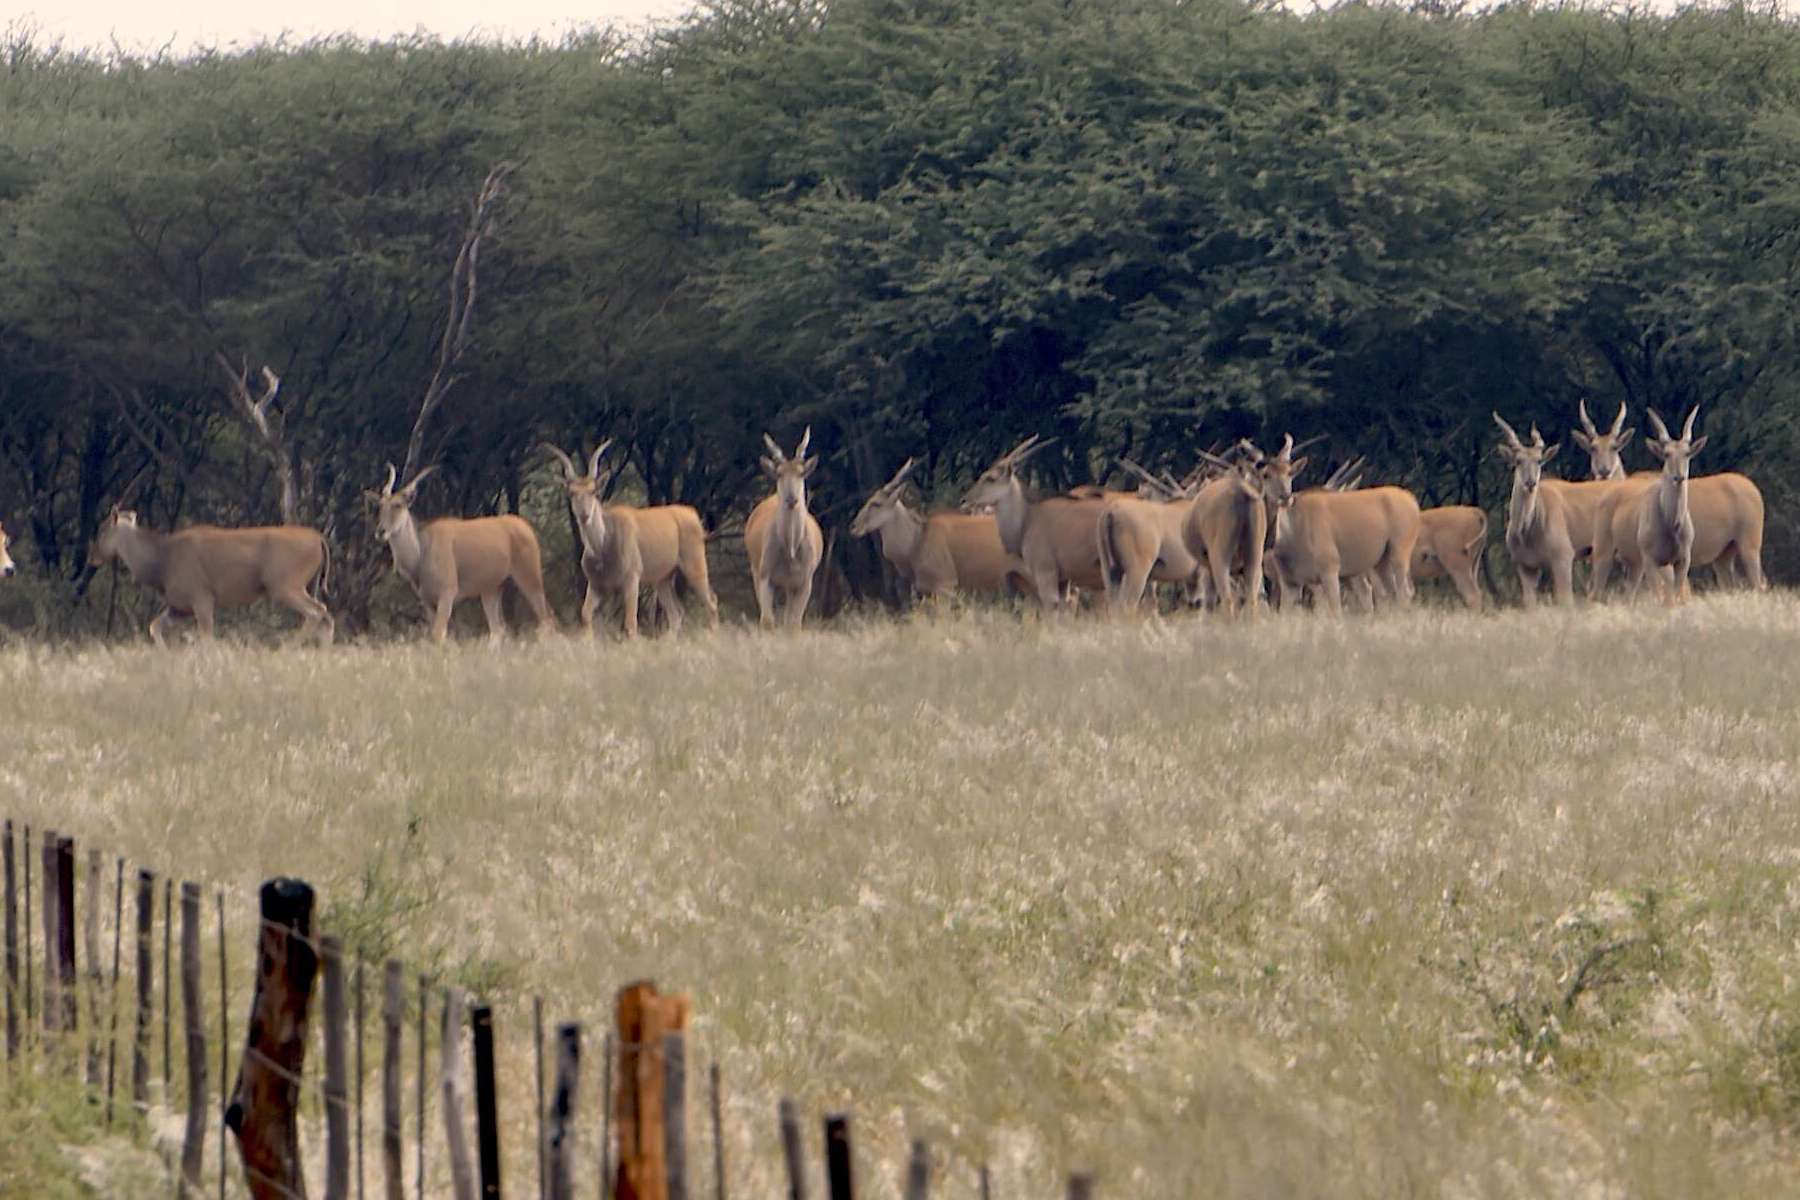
pixel 1422 904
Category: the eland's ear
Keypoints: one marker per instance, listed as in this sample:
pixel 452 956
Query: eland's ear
pixel 1625 436
pixel 1695 445
pixel 372 496
pixel 1550 452
pixel 807 469
pixel 1299 465
pixel 1581 439
pixel 770 465
pixel 411 490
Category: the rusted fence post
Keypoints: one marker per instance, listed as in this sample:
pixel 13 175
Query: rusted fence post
pixel 12 948
pixel 264 1111
pixel 840 1175
pixel 487 1106
pixel 193 1142
pixel 564 1101
pixel 90 942
pixel 140 1045
pixel 918 1171
pixel 393 1011
pixel 456 1126
pixel 337 1090
pixel 789 1117
pixel 643 1019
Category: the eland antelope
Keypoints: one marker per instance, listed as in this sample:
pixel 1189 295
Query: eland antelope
pixel 624 547
pixel 782 538
pixel 1321 537
pixel 1055 538
pixel 1141 538
pixel 1603 449
pixel 1451 540
pixel 1226 531
pixel 1665 526
pixel 201 569
pixel 454 558
pixel 941 552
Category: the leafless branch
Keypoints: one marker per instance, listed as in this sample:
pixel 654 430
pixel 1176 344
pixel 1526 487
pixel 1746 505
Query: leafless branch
pixel 457 321
pixel 257 411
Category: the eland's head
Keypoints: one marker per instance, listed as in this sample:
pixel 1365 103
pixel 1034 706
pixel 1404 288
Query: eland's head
pixel 1276 473
pixel 1527 458
pixel 1000 479
pixel 583 491
pixel 1675 452
pixel 790 474
pixel 117 526
pixel 885 504
pixel 393 509
pixel 1603 448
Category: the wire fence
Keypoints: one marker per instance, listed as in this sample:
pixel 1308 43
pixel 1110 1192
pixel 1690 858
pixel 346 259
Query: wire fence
pixel 478 1117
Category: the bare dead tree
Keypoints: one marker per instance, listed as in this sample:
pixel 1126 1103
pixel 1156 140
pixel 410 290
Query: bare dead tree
pixel 461 310
pixel 267 424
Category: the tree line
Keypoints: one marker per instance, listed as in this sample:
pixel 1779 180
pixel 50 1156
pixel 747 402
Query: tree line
pixel 922 227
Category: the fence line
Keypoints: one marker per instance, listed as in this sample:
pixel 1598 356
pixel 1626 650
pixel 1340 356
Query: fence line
pixel 640 1120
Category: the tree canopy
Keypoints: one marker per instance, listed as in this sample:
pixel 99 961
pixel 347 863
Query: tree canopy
pixel 923 227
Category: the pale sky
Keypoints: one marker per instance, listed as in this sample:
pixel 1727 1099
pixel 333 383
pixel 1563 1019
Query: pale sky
pixel 183 24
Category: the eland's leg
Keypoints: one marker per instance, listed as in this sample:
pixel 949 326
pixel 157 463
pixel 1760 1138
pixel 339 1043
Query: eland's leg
pixel 628 596
pixel 496 619
pixel 797 600
pixel 1562 581
pixel 1528 585
pixel 670 607
pixel 765 602
pixel 589 603
pixel 159 623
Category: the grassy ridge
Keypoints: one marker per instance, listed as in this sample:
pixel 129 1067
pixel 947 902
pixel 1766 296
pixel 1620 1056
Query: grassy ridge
pixel 1436 903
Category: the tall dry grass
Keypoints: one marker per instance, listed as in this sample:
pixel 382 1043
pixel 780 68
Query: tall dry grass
pixel 1423 904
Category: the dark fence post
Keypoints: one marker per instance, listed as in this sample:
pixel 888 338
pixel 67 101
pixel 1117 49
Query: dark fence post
pixel 419 1110
pixel 25 940
pixel 791 1153
pixel 52 1010
pixel 12 948
pixel 984 1181
pixel 67 989
pixel 487 1111
pixel 264 1108
pixel 193 1142
pixel 537 1055
pixel 607 1103
pixel 95 977
pixel 337 1090
pixel 456 1127
pixel 393 1010
pixel 168 989
pixel 918 1171
pixel 225 1023
pixel 674 1047
pixel 839 1168
pixel 112 1014
pixel 718 1132
pixel 361 1073
pixel 564 1099
pixel 1081 1186
pixel 140 1045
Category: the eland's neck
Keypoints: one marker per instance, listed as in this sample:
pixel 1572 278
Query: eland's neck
pixel 405 542
pixel 594 532
pixel 790 526
pixel 901 535
pixel 1526 509
pixel 1009 516
pixel 141 550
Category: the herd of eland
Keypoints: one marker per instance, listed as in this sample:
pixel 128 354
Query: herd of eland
pixel 1237 533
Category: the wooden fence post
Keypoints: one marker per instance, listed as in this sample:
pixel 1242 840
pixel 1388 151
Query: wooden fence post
pixel 337 1090
pixel 67 988
pixel 25 937
pixel 1081 1186
pixel 225 1022
pixel 168 989
pixel 361 1076
pixel 264 1110
pixel 718 1131
pixel 674 1047
pixel 918 1171
pixel 95 977
pixel 456 1126
pixel 789 1117
pixel 140 1046
pixel 393 1011
pixel 193 1142
pixel 12 949
pixel 564 1100
pixel 985 1183
pixel 840 1173
pixel 537 1055
pixel 643 1018
pixel 419 1083
pixel 52 1009
pixel 487 1106
pixel 607 1104
pixel 112 1014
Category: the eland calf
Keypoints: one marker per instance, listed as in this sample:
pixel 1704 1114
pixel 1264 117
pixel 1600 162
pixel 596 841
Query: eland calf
pixel 455 558
pixel 198 570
